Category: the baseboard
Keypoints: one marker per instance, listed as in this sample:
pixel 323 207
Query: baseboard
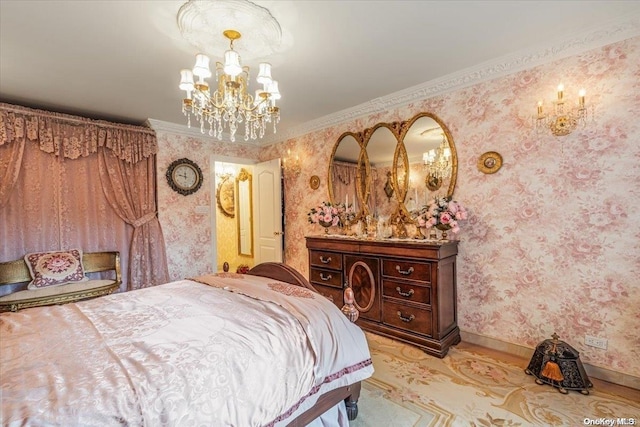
pixel 526 353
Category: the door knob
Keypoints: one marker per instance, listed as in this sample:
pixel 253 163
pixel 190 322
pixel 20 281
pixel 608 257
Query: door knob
pixel 278 233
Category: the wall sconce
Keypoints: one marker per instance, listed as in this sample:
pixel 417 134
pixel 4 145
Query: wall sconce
pixel 563 119
pixel 291 165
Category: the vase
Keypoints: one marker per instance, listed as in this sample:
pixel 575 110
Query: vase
pixel 444 228
pixel 326 226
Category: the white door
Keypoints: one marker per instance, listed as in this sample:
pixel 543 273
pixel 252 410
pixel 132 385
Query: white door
pixel 267 212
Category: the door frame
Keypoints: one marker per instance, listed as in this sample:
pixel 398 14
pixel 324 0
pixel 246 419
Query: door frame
pixel 212 204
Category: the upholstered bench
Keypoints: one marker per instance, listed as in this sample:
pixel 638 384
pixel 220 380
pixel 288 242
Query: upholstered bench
pixel 17 293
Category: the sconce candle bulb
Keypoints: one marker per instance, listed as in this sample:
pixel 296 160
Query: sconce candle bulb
pixel 560 92
pixel 581 95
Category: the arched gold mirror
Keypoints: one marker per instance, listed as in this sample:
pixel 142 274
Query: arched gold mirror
pixel 432 159
pixel 348 172
pixel 380 144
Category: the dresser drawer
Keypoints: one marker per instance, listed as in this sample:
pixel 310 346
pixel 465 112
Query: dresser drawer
pixel 324 277
pixel 410 270
pixel 330 260
pixel 332 294
pixel 407 317
pixel 406 291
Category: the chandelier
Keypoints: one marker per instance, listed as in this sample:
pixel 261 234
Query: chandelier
pixel 230 105
pixel 563 119
pixel 438 161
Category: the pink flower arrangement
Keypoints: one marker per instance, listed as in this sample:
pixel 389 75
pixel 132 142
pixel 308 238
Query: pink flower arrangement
pixel 326 214
pixel 442 211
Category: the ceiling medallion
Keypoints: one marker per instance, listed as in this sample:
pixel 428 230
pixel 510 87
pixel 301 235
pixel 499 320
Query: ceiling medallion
pixel 201 23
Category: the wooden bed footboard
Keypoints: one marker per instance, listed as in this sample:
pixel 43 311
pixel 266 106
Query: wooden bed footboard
pixel 350 393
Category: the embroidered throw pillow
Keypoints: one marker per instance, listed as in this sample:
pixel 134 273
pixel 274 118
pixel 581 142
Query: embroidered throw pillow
pixel 55 268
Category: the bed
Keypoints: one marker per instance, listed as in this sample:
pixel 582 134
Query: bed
pixel 261 349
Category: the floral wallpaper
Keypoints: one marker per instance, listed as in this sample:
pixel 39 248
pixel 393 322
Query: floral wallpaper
pixel 552 243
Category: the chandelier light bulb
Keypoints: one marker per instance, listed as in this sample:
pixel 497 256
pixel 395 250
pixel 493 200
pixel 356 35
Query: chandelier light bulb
pixel 264 75
pixel 274 91
pixel 186 80
pixel 232 65
pixel 201 69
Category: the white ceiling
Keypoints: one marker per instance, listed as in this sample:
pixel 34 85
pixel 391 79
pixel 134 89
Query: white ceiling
pixel 120 60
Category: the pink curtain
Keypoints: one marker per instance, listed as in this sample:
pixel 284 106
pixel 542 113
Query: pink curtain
pixel 344 181
pixel 48 201
pixel 130 190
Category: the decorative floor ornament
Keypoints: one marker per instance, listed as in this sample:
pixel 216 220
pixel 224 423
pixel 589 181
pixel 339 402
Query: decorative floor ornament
pixel 558 364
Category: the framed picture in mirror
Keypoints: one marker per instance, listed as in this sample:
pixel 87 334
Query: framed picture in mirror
pixel 225 197
pixel 433 182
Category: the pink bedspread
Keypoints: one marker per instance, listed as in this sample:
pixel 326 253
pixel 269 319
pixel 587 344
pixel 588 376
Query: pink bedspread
pixel 240 351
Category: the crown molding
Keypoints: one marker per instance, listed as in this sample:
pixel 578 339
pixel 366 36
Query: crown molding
pixel 602 35
pixel 595 37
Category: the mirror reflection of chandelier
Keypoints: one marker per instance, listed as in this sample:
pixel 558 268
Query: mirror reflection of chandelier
pixel 438 161
pixel 230 105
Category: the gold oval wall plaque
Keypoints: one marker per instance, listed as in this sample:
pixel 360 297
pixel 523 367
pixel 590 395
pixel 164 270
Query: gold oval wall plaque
pixel 490 162
pixel 314 182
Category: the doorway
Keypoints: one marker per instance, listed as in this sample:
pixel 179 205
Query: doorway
pixel 246 222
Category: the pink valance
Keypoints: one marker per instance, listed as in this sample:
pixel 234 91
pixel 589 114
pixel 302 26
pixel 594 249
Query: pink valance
pixel 73 136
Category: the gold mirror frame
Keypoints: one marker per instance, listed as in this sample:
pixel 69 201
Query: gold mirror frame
pixel 400 130
pixel 406 127
pixel 244 183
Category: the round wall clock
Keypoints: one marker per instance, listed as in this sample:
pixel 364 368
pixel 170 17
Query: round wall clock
pixel 490 162
pixel 184 176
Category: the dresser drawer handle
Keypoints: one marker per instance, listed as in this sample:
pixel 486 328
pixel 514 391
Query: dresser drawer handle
pixel 325 278
pixel 405 294
pixel 405 272
pixel 325 260
pixel 406 319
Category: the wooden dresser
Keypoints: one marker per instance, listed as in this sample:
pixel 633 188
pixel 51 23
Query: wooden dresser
pixel 404 289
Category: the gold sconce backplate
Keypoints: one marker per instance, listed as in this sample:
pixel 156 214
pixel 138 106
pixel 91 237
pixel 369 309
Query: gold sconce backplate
pixel 490 162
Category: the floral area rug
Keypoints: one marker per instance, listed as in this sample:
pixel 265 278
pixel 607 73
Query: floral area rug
pixel 411 388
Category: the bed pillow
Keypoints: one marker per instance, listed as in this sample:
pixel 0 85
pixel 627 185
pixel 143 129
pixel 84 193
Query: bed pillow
pixel 55 268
